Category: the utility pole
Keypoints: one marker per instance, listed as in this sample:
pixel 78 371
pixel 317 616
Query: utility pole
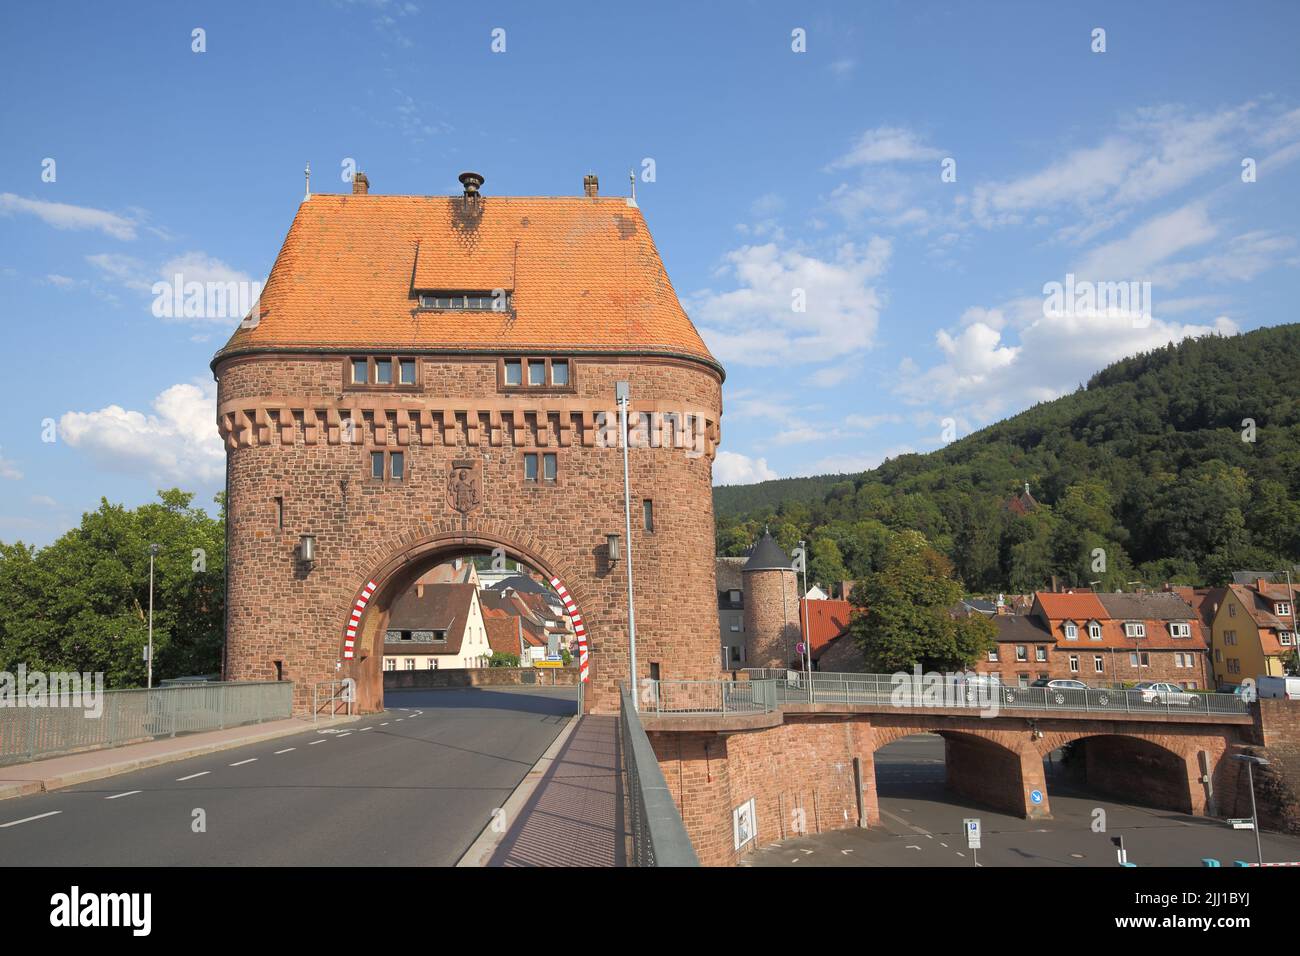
pixel 153 552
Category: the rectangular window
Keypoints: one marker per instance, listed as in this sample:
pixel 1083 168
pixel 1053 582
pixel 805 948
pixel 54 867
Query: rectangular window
pixel 1232 610
pixel 560 373
pixel 1139 660
pixel 406 372
pixel 1022 653
pixel 1180 630
pixel 536 372
pixel 279 513
pixel 1071 632
pixel 1074 663
pixel 1094 631
pixel 549 467
pixel 648 513
pixel 397 465
pixel 360 373
pixel 1282 609
pixel 1218 656
pixel 390 663
pixel 530 467
pixel 993 656
pixel 433 663
pixel 383 371
pixel 377 465
pixel 1135 629
pixel 1040 653
pixel 1285 638
pixel 1098 664
pixel 410 663
pixel 514 373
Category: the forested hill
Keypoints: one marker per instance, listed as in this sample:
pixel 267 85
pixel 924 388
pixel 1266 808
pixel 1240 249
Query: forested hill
pixel 1155 461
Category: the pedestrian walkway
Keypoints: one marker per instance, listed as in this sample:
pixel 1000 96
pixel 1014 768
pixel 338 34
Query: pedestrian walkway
pixel 52 773
pixel 575 816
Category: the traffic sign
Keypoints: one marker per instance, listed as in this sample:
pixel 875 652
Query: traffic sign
pixel 1035 796
pixel 972 825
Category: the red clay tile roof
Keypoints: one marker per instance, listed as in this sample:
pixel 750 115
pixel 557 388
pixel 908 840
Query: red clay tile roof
pixel 502 632
pixel 439 607
pixel 1155 610
pixel 827 620
pixel 584 275
pixel 1072 607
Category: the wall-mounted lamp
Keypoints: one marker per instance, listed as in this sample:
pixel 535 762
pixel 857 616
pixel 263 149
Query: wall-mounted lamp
pixel 307 548
pixel 611 543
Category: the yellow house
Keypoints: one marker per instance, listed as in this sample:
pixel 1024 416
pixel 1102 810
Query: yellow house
pixel 1254 630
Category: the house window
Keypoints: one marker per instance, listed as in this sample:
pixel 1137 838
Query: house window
pixel 1282 609
pixel 536 373
pixel 1040 653
pixel 406 372
pixel 1234 665
pixel 279 513
pixel 733 597
pixel 387 465
pixel 560 372
pixel 1180 630
pixel 1071 631
pixel 648 513
pixel 360 371
pixel 1230 638
pixel 1135 629
pixel 492 300
pixel 1232 610
pixel 550 466
pixel 410 663
pixel 539 373
pixel 1285 638
pixel 1022 653
pixel 379 371
pixel 1139 660
pixel 514 374
pixel 1098 664
pixel 1094 631
pixel 1074 663
pixel 1218 656
pixel 383 371
pixel 1022 680
pixel 390 663
pixel 993 656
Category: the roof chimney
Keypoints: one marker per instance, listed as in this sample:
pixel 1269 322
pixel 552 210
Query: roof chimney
pixel 360 184
pixel 471 182
pixel 591 185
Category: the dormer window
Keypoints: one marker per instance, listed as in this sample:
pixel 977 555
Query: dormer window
pixel 1094 630
pixel 1282 609
pixel 490 300
pixel 1179 629
pixel 1071 631
pixel 1135 629
pixel 1285 638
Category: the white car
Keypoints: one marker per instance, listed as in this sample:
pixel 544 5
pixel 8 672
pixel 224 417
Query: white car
pixel 1163 692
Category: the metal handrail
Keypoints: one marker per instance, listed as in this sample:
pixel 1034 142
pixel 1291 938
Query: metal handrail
pixel 659 836
pixel 134 715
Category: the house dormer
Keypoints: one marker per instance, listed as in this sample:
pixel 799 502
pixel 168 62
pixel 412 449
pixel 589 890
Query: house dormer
pixel 1070 629
pixel 1135 629
pixel 1180 629
pixel 1094 630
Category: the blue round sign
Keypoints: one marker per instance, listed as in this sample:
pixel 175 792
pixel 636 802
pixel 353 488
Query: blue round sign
pixel 1036 796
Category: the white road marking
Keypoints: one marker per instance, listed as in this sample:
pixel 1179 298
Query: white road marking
pixel 348 734
pixel 913 846
pixel 400 719
pixel 240 763
pixel 384 724
pixel 321 741
pixel 127 794
pixel 284 751
pixel 39 816
pixel 365 728
pixel 201 773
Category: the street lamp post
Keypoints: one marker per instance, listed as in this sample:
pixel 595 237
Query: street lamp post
pixel 1251 763
pixel 622 393
pixel 153 553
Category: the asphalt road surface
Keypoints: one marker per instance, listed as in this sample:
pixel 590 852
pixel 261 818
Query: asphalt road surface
pixel 412 786
pixel 922 826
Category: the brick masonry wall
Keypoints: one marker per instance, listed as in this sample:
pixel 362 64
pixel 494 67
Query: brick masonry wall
pixel 1162 665
pixel 771 618
pixel 1277 786
pixel 280 610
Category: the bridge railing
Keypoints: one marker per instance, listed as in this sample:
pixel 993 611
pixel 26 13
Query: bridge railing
pixel 686 697
pixel 115 717
pixel 658 835
pixel 978 693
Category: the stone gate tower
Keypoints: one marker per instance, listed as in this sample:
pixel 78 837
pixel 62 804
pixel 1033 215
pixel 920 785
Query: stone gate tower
pixel 771 613
pixel 427 376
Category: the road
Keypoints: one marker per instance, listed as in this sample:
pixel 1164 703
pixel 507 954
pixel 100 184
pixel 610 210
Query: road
pixel 922 826
pixel 412 786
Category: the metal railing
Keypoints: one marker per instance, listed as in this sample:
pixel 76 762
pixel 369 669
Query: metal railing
pixel 958 691
pixel 131 716
pixel 707 697
pixel 327 696
pixel 658 835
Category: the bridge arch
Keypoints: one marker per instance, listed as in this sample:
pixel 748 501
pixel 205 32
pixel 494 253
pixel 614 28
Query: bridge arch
pixel 391 572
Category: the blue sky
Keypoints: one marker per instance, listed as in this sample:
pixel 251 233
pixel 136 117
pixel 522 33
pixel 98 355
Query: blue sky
pixel 777 176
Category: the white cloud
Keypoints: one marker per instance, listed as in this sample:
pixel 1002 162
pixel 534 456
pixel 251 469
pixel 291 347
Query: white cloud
pixel 65 216
pixel 886 144
pixel 45 501
pixel 732 468
pixel 126 270
pixel 178 442
pixel 9 470
pixel 756 323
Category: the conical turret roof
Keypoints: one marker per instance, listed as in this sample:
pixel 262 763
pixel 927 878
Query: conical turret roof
pixel 767 556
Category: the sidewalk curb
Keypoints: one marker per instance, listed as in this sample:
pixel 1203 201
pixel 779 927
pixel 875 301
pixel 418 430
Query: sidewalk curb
pixel 22 788
pixel 481 850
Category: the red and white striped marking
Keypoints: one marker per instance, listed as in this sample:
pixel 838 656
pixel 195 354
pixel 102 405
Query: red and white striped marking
pixel 350 642
pixel 579 630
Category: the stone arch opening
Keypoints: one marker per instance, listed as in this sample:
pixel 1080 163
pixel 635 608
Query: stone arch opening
pixel 909 762
pixel 362 641
pixel 1126 767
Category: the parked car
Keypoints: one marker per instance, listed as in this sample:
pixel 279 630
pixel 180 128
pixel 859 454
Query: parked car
pixel 1163 692
pixel 1060 684
pixel 1288 687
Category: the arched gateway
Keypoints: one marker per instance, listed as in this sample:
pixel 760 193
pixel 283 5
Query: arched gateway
pixel 435 375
